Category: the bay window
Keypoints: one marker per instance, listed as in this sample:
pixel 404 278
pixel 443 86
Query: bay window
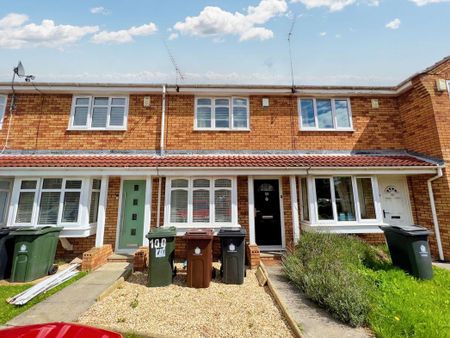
pixel 95 199
pixel 221 113
pixel 5 191
pixel 3 99
pixel 325 114
pixel 342 200
pixel 200 201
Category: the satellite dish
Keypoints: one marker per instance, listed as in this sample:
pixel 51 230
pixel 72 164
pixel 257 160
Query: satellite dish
pixel 19 70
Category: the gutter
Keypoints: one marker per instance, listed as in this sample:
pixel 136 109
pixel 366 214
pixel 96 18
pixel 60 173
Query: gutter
pixel 434 214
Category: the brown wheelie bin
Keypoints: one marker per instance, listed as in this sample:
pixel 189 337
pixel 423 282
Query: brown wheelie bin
pixel 199 257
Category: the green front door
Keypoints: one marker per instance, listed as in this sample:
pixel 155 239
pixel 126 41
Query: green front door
pixel 132 222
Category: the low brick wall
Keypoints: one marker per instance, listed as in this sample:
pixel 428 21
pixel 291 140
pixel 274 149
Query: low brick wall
pixel 372 238
pixel 140 261
pixel 253 256
pixel 96 257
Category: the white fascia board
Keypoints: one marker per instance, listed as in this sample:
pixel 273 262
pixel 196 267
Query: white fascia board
pixel 180 171
pixel 48 89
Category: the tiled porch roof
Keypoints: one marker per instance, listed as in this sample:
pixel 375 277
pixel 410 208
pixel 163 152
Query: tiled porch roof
pixel 210 161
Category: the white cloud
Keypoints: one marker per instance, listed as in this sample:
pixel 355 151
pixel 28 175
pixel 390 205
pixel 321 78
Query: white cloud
pixel 124 35
pixel 335 5
pixel 427 2
pixel 323 33
pixel 216 22
pixel 100 10
pixel 394 24
pixel 173 36
pixel 14 33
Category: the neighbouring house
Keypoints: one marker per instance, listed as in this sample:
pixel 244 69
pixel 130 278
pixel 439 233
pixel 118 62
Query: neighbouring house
pixel 109 161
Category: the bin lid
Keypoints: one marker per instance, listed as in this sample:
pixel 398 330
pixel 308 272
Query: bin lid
pixel 408 230
pixel 4 231
pixel 35 231
pixel 162 232
pixel 199 234
pixel 232 232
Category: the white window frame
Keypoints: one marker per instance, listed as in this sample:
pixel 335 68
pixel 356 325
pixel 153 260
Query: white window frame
pixel 91 98
pixel 314 209
pixel 333 111
pixel 213 113
pixel 8 200
pixel 3 111
pixel 91 190
pixel 448 87
pixel 37 200
pixel 212 223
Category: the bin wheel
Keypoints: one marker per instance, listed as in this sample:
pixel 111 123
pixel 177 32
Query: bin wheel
pixel 53 269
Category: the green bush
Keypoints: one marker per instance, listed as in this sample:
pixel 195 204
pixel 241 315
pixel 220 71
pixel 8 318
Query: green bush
pixel 327 268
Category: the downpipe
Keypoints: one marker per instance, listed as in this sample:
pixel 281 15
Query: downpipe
pixel 434 214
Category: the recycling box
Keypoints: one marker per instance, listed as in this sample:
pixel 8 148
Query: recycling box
pixel 161 254
pixel 409 249
pixel 232 241
pixel 199 257
pixel 34 252
pixel 6 252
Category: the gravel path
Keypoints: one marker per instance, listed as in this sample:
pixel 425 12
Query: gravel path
pixel 178 311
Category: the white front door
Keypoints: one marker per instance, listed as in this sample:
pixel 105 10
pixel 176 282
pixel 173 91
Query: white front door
pixel 395 200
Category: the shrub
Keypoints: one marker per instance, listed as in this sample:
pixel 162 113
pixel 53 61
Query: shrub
pixel 327 268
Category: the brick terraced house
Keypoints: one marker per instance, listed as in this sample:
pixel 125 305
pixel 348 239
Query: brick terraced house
pixel 109 161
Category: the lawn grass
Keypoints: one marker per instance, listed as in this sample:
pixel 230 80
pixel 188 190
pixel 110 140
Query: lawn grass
pixel 407 307
pixel 390 302
pixel 8 311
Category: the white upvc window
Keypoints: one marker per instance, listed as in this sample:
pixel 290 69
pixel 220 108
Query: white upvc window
pixel 325 114
pixel 49 201
pixel 5 193
pixel 343 200
pixel 201 201
pixel 99 113
pixel 3 100
pixel 221 113
pixel 94 200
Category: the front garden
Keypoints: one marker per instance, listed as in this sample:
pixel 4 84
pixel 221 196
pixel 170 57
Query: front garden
pixel 358 285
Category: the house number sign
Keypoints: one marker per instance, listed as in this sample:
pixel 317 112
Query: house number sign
pixel 159 246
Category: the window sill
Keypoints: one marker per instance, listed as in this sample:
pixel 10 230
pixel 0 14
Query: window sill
pixel 99 129
pixel 69 231
pixel 350 130
pixel 181 229
pixel 222 129
pixel 359 228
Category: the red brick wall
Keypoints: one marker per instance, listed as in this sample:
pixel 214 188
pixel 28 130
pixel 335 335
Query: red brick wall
pixel 80 245
pixel 112 210
pixel 41 122
pixel 276 127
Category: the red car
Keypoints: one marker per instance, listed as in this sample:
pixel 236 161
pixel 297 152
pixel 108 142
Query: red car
pixel 57 330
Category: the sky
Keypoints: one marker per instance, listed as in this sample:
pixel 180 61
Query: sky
pixel 333 42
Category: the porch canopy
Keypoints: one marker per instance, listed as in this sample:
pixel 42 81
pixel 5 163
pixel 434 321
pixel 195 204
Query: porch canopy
pixel 213 164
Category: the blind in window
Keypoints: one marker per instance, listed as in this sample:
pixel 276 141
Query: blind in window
pixel 116 118
pixel 25 207
pixel 178 206
pixel 3 206
pixel 222 202
pixel 99 117
pixel 49 207
pixel 93 209
pixel 71 206
pixel 200 205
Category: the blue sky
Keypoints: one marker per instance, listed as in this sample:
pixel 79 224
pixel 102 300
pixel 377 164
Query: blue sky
pixel 360 42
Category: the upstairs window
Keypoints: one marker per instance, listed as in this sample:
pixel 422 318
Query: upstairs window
pixel 221 113
pixel 3 99
pixel 99 113
pixel 325 114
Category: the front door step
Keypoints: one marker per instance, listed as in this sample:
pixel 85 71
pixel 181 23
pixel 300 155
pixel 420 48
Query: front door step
pixel 121 258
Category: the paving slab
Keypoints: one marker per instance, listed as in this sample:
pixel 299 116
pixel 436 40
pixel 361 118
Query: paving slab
pixel 313 321
pixel 442 265
pixel 69 303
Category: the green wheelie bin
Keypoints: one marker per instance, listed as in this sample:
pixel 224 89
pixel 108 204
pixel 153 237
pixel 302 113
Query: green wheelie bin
pixel 409 249
pixel 232 241
pixel 34 252
pixel 161 253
